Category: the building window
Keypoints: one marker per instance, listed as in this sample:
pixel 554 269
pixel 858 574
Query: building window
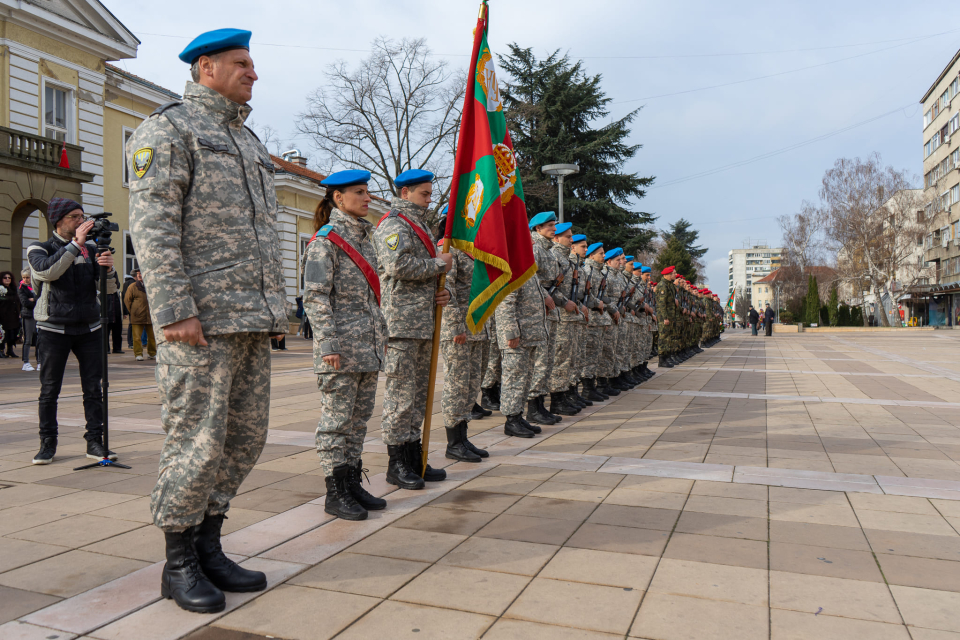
pixel 127 134
pixel 57 112
pixel 130 263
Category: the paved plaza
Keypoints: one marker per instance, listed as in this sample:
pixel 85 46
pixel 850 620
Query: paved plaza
pixel 798 486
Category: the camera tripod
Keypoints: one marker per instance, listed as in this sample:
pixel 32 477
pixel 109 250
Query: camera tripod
pixel 103 246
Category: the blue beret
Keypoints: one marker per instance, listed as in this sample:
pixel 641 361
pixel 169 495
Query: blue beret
pixel 411 177
pixel 613 253
pixel 445 208
pixel 596 246
pixel 214 42
pixel 645 269
pixel 346 178
pixel 629 258
pixel 563 226
pixel 580 237
pixel 637 265
pixel 542 218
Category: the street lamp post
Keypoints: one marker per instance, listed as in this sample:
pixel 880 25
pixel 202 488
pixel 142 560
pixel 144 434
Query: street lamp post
pixel 560 171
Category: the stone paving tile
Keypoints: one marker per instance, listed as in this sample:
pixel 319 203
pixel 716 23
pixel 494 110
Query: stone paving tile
pixel 668 617
pixel 574 604
pixel 414 622
pixel 833 597
pixel 484 592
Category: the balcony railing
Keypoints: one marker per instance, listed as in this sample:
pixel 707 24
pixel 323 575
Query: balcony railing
pixel 38 150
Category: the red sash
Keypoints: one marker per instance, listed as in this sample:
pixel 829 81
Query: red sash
pixel 372 278
pixel 424 238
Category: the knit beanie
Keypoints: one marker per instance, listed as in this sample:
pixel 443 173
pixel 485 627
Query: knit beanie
pixel 59 207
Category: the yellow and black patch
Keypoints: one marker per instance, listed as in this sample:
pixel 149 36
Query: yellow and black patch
pixel 392 241
pixel 142 159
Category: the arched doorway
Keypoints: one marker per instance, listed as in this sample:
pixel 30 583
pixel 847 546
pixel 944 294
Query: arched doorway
pixel 21 214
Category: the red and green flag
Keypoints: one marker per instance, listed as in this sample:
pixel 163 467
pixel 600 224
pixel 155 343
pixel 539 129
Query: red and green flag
pixel 488 216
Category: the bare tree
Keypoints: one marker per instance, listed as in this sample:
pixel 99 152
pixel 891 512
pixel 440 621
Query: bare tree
pixel 740 305
pixel 871 217
pixel 398 110
pixel 268 136
pixel 803 237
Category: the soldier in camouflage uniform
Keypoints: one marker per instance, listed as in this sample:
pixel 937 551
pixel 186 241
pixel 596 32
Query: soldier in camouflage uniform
pixel 490 366
pixel 594 278
pixel 648 304
pixel 341 299
pixel 667 314
pixel 562 382
pixel 408 265
pixel 521 327
pixel 578 253
pixel 462 356
pixel 203 214
pixel 631 325
pixel 615 343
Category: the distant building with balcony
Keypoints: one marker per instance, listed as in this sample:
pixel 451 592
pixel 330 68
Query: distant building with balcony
pixel 749 264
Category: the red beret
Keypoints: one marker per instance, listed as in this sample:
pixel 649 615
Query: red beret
pixel 667 271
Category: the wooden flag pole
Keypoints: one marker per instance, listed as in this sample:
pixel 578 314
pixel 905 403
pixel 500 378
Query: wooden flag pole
pixel 434 356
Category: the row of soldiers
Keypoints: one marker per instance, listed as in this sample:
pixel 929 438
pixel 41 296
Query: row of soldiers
pixel 690 318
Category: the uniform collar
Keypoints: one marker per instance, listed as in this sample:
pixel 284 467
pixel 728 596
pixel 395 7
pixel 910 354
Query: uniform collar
pixel 564 251
pixel 409 209
pixel 216 103
pixel 542 240
pixel 354 228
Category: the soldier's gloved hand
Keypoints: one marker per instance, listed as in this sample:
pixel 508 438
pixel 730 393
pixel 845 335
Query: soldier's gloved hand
pixel 570 306
pixel 551 305
pixel 188 331
pixel 333 361
pixel 460 339
pixel 447 261
pixel 442 297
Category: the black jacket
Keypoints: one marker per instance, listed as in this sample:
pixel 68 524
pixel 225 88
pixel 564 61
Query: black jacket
pixel 26 306
pixel 768 315
pixel 66 283
pixel 754 316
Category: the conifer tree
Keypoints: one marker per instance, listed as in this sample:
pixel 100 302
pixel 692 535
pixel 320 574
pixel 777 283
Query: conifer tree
pixel 675 254
pixel 681 229
pixel 832 306
pixel 555 112
pixel 813 302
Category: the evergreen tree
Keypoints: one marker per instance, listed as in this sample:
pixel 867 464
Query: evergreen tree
pixel 832 306
pixel 843 315
pixel 856 317
pixel 675 254
pixel 682 231
pixel 813 302
pixel 551 105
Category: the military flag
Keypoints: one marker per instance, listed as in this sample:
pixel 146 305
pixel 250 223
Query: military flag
pixel 488 216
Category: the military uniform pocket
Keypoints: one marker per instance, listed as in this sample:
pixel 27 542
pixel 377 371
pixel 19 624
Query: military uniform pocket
pixel 183 355
pixel 394 359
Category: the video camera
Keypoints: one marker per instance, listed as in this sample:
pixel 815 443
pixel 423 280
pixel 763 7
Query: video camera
pixel 102 230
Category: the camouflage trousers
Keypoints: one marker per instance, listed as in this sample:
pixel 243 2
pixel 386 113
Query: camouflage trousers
pixel 579 334
pixel 348 402
pixel 407 367
pixel 608 366
pixel 646 343
pixel 592 350
pixel 517 376
pixel 491 367
pixel 543 363
pixel 624 345
pixel 215 411
pixel 461 379
pixel 564 351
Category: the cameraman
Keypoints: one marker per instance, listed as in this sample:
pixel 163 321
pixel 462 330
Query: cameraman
pixel 66 275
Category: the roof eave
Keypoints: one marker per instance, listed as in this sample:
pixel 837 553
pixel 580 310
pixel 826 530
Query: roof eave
pixel 943 74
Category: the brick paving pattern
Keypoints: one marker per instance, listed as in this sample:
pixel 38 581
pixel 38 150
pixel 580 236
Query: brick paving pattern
pixel 798 486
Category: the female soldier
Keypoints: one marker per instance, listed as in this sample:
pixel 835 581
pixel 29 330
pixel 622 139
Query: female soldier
pixel 342 300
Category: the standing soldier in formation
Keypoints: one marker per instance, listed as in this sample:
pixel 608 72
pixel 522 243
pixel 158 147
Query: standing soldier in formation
pixel 614 340
pixel 521 328
pixel 491 369
pixel 578 252
pixel 408 268
pixel 597 325
pixel 342 300
pixel 203 214
pixel 561 383
pixel 463 359
pixel 668 310
pixel 631 325
pixel 649 306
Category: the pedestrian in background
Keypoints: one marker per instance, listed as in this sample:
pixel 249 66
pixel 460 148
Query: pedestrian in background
pixel 754 320
pixel 768 321
pixel 137 303
pixel 28 300
pixel 9 314
pixel 127 281
pixel 116 316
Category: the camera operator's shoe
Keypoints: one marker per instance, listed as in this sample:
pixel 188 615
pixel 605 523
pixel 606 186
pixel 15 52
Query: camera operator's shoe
pixel 183 580
pixel 95 451
pixel 27 367
pixel 48 449
pixel 223 572
pixel 139 358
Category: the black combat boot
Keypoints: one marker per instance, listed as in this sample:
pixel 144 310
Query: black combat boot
pixel 559 406
pixel 488 399
pixel 664 362
pixel 415 460
pixel 478 412
pixel 399 472
pixel 608 389
pixel 183 580
pixel 534 414
pixel 339 501
pixel 223 572
pixel 579 397
pixel 457 448
pixel 514 427
pixel 573 400
pixel 48 449
pixel 543 409
pixel 620 383
pixel 354 484
pixel 590 390
pixel 647 371
pixel 598 388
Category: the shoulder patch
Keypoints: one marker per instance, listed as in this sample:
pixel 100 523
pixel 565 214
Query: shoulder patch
pixel 392 241
pixel 159 110
pixel 393 213
pixel 324 230
pixel 142 161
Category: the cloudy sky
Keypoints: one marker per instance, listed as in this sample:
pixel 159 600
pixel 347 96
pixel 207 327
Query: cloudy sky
pixel 745 104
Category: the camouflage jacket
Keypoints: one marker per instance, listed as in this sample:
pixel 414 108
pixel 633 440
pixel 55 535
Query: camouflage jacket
pixel 629 299
pixel 593 273
pixel 548 268
pixel 203 216
pixel 636 300
pixel 459 280
pixel 339 302
pixel 567 261
pixel 408 275
pixel 616 285
pixel 522 315
pixel 666 309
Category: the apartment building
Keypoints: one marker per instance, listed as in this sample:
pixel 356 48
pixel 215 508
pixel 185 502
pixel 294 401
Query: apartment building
pixel 749 264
